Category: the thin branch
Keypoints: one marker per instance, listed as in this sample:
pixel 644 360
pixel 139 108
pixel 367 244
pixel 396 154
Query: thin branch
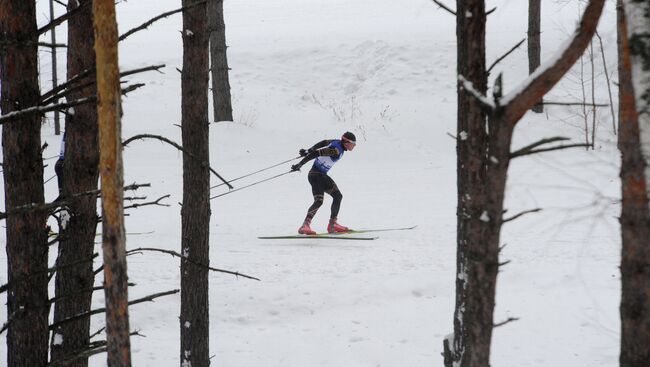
pixel 93 348
pixel 96 333
pixel 609 87
pixel 6 286
pixel 510 319
pixel 521 214
pixel 505 55
pixel 176 254
pixel 536 144
pixel 11 116
pixel 83 291
pixel 155 202
pixel 49 206
pixel 504 263
pixel 52 45
pixel 149 298
pixel 547 103
pixel 559 147
pixel 66 88
pixel 5 326
pixel 153 20
pixel 444 7
pixel 177 146
pixel 62 18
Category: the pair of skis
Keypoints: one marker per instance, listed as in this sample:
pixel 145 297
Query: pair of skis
pixel 341 236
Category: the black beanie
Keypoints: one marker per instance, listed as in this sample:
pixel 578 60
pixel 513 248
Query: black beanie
pixel 349 136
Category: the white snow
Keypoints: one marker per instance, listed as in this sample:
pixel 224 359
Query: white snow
pixel 485 217
pixel 306 70
pixel 57 339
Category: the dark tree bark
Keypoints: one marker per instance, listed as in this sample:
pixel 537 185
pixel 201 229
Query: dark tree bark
pixel 111 170
pixel 482 167
pixel 470 32
pixel 27 250
pixel 635 212
pixel 221 100
pixel 195 213
pixel 80 173
pixel 534 44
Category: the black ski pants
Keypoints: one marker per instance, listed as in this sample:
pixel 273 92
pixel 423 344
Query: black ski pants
pixel 321 183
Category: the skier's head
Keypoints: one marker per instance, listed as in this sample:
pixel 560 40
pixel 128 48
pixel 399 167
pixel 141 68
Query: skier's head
pixel 349 141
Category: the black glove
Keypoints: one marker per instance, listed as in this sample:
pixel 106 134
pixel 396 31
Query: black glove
pixel 295 167
pixel 303 152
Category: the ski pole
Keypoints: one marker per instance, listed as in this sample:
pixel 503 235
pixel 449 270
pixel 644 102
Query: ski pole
pixel 262 170
pixel 253 184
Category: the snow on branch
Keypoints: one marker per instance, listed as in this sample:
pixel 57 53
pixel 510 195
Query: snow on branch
pixel 518 101
pixel 469 87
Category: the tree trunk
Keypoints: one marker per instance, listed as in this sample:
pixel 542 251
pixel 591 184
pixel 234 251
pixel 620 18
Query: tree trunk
pixel 635 212
pixel 534 44
pixel 220 82
pixel 482 167
pixel 111 170
pixel 80 173
pixel 472 336
pixel 195 213
pixel 27 298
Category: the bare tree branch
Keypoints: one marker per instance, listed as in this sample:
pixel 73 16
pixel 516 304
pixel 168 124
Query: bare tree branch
pixel 48 206
pixel 505 55
pixel 155 202
pixel 52 45
pixel 609 87
pixel 510 319
pixel 64 89
pixel 6 286
pixel 155 19
pixel 62 18
pixel 5 326
pixel 11 116
pixel 559 147
pixel 149 298
pixel 538 143
pixel 176 254
pixel 177 146
pixel 444 7
pixel 547 103
pixel 521 214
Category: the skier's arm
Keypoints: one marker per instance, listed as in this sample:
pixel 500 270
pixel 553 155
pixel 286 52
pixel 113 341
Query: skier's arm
pixel 318 150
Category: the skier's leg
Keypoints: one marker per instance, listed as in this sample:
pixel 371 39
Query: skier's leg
pixel 337 196
pixel 318 193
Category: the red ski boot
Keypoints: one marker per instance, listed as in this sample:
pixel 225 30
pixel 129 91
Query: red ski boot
pixel 306 229
pixel 334 227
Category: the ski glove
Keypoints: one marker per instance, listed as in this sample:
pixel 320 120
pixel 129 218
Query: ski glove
pixel 303 152
pixel 296 167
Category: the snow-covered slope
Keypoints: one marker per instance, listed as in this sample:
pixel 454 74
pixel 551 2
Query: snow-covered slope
pixel 306 70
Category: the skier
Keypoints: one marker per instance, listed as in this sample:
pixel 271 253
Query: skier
pixel 326 153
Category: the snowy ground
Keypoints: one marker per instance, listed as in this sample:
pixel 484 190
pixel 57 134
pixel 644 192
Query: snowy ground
pixel 305 70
